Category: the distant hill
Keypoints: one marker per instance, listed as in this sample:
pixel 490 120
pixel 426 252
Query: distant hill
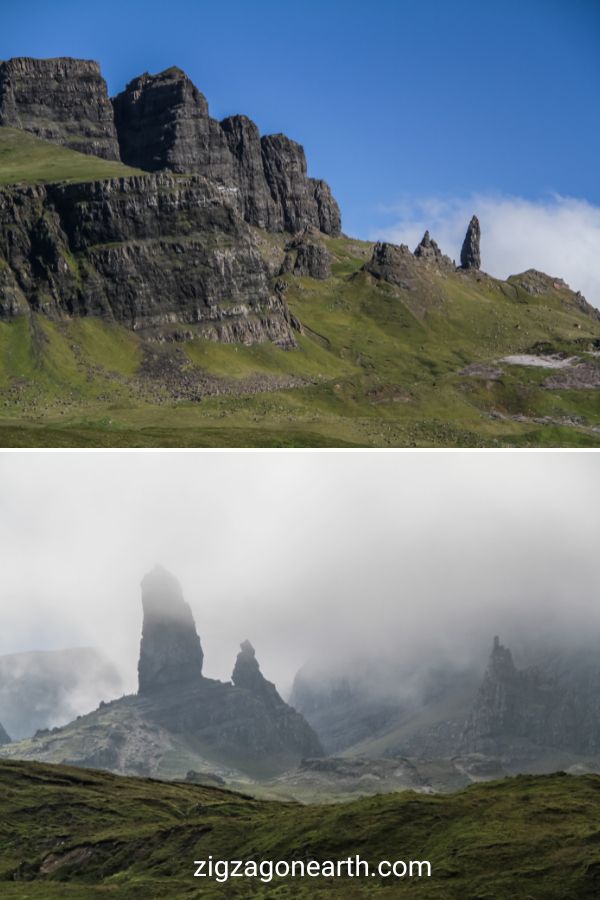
pixel 45 688
pixel 81 834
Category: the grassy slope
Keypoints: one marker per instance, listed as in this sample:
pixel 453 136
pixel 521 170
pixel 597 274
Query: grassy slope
pixel 26 159
pixel 381 366
pixel 527 837
pixel 380 377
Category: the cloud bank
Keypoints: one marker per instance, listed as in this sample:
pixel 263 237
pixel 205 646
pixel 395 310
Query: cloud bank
pixel 401 556
pixel 557 235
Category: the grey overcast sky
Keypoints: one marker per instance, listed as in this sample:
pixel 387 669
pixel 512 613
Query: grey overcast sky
pixel 306 554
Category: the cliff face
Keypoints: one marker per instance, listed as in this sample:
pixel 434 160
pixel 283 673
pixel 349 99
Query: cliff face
pixel 61 100
pixel 4 738
pixel 539 706
pixel 147 251
pixel 163 123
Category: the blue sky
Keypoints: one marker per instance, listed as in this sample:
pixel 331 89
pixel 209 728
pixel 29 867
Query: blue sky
pixel 397 103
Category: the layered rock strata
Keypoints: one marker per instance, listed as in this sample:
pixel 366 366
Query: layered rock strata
pixel 147 251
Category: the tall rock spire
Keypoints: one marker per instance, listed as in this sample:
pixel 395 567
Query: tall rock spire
pixel 170 651
pixel 470 255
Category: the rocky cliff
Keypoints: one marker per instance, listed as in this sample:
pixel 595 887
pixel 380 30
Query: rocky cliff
pixel 148 251
pixel 163 123
pixel 181 720
pixel 157 251
pixel 61 100
pixel 520 711
pixel 4 738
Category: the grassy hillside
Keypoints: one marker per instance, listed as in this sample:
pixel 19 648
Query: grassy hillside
pixel 79 834
pixel 371 369
pixel 26 159
pixel 376 365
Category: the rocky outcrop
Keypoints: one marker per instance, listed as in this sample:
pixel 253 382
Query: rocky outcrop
pixel 470 255
pixel 541 706
pixel 170 650
pixel 61 100
pixel 428 251
pixel 149 252
pixel 256 202
pixel 4 738
pixel 307 255
pixel 395 264
pixel 247 674
pixel 163 123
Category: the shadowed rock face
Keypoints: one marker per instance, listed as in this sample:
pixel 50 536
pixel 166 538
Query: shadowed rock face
pixel 470 255
pixel 61 100
pixel 247 674
pixel 170 651
pixel 147 251
pixel 4 738
pixel 163 123
pixel 539 706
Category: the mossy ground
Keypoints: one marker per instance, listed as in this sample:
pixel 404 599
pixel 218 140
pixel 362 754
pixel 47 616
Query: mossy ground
pixel 97 834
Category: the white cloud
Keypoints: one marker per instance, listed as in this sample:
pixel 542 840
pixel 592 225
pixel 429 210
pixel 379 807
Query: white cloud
pixel 557 235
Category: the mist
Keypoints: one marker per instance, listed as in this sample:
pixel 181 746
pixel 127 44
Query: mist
pixel 312 556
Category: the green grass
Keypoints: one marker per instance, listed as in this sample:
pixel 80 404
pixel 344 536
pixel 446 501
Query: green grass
pixel 77 833
pixel 26 159
pixel 375 366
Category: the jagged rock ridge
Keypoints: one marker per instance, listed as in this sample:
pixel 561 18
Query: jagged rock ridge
pixel 518 710
pixel 163 123
pixel 179 716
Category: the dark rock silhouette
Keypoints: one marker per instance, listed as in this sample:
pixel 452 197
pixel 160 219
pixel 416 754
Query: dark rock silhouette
pixel 247 674
pixel 4 738
pixel 170 650
pixel 470 255
pixel 62 100
pixel 548 705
